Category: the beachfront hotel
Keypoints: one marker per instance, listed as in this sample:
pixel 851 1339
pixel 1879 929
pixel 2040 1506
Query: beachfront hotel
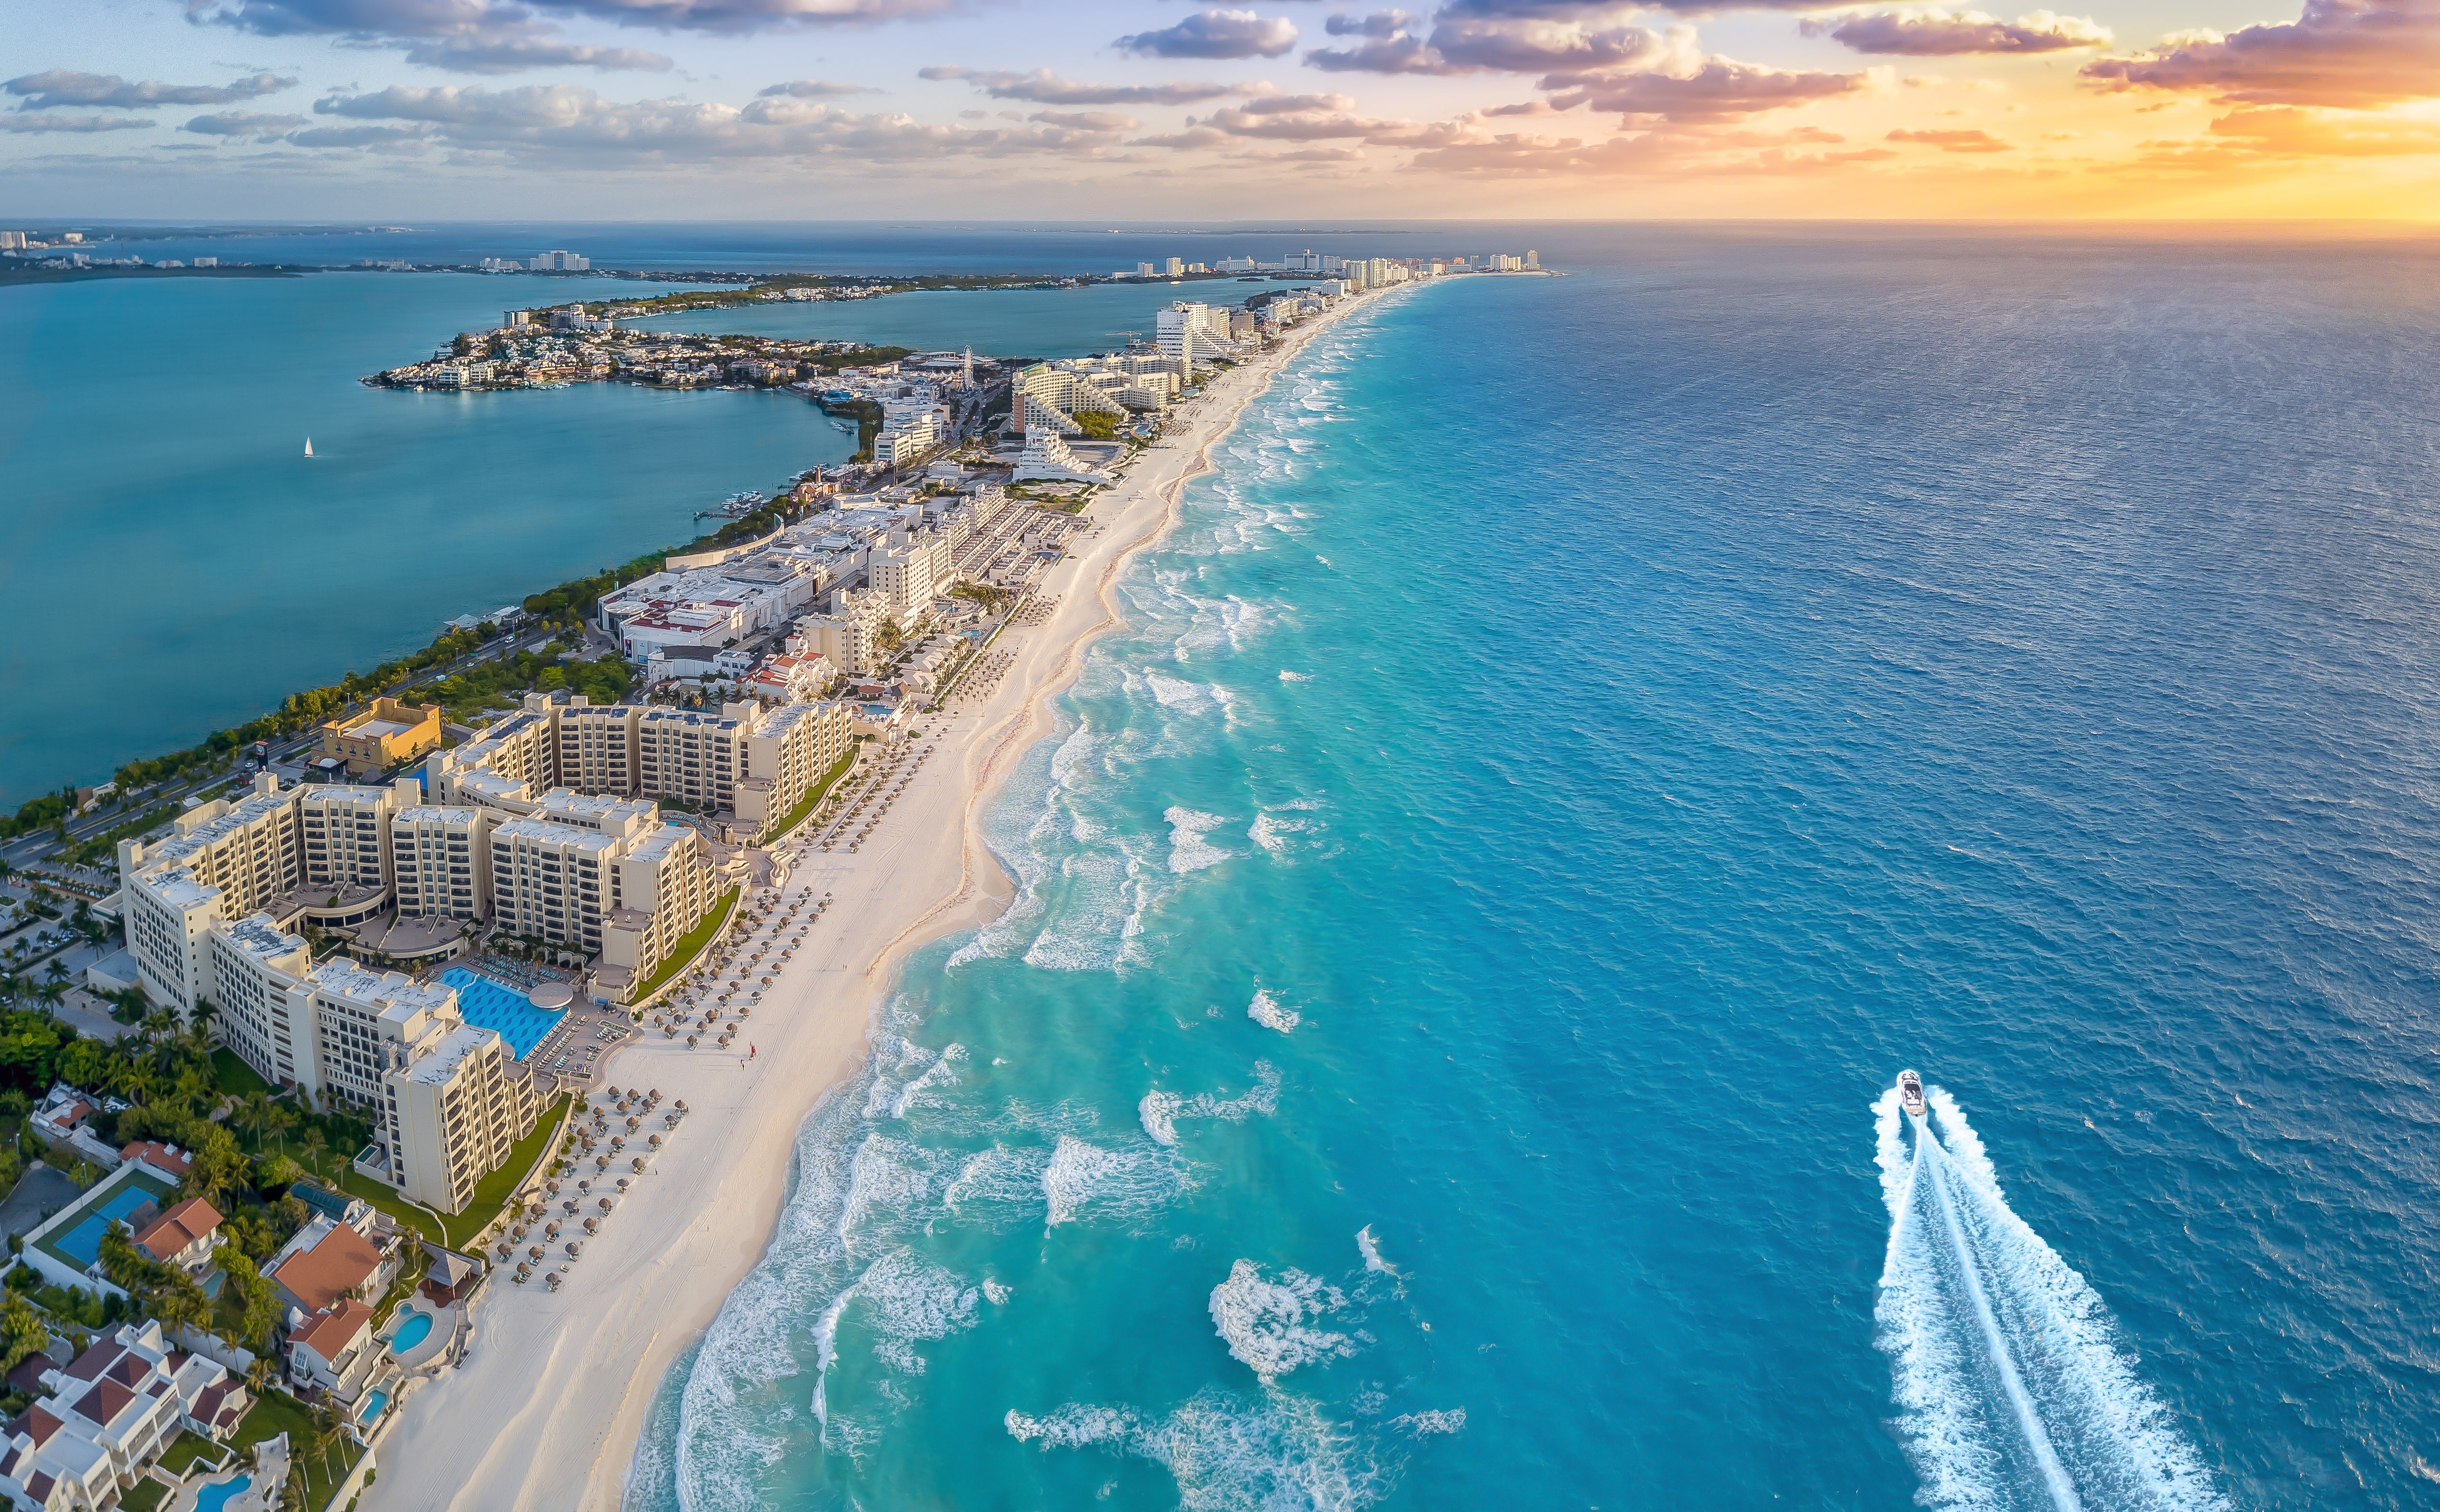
pixel 382 736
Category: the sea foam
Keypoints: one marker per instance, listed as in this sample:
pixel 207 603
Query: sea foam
pixel 1266 1011
pixel 1269 1325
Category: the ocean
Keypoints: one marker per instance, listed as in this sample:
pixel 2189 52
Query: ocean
pixel 1585 737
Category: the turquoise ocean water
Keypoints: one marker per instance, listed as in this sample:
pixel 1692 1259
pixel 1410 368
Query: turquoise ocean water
pixel 1583 739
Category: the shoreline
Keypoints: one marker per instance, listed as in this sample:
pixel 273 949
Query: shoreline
pixel 550 1402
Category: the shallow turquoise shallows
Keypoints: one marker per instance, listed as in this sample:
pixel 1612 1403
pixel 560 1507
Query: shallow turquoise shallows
pixel 510 1013
pixel 173 564
pixel 1585 737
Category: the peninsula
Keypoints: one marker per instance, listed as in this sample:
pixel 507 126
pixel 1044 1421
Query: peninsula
pixel 559 928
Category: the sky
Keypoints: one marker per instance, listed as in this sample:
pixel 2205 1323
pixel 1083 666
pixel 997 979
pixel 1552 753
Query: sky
pixel 603 110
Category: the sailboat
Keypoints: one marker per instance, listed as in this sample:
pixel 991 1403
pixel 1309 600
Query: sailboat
pixel 309 446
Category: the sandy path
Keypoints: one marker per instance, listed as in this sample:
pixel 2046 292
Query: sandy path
pixel 545 1409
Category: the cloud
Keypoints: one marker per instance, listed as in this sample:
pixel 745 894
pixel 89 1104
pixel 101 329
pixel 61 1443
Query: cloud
pixel 1469 38
pixel 510 55
pixel 1086 120
pixel 385 20
pixel 1377 24
pixel 2350 53
pixel 240 125
pixel 815 89
pixel 1957 141
pixel 358 136
pixel 60 86
pixel 1043 87
pixel 20 122
pixel 1662 150
pixel 1945 34
pixel 1216 34
pixel 1399 53
pixel 567 123
pixel 1721 89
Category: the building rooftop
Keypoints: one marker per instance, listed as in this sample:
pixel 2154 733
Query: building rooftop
pixel 329 1333
pixel 548 832
pixel 442 1058
pixel 262 939
pixel 338 1262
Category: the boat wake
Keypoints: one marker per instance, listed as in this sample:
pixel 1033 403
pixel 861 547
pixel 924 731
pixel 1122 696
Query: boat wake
pixel 2013 1388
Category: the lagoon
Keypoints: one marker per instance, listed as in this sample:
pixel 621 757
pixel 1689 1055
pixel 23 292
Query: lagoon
pixel 174 563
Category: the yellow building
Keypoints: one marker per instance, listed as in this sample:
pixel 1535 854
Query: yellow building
pixel 382 735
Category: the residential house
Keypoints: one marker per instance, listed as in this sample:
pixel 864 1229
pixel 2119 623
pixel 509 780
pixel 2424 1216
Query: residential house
pixel 184 1237
pixel 333 1349
pixel 328 1262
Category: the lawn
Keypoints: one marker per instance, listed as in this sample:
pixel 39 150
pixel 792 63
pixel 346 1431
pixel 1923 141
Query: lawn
pixel 457 1230
pixel 235 1076
pixel 187 1449
pixel 146 1494
pixel 813 797
pixel 688 948
pixel 275 1413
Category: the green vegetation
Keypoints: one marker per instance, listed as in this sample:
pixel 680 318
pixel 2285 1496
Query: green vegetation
pixel 145 1495
pixel 990 597
pixel 812 797
pixel 603 680
pixel 235 1076
pixel 683 954
pixel 185 1449
pixel 105 845
pixel 831 361
pixel 1097 426
pixel 320 1454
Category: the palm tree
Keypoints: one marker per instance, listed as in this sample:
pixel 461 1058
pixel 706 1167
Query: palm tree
pixel 315 1145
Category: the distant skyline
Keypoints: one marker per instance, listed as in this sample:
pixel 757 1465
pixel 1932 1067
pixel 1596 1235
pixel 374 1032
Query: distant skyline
pixel 791 109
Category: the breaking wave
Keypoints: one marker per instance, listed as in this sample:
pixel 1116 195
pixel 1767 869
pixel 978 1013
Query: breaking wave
pixel 1161 1110
pixel 1269 1325
pixel 1266 1011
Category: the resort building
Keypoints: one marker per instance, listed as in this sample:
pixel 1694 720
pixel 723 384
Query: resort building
pixel 547 881
pixel 597 746
pixel 788 752
pixel 382 735
pixel 1046 459
pixel 442 857
pixel 454 1114
pixel 345 832
pixel 694 757
pixel 850 635
pixel 908 571
pixel 660 888
pixel 252 966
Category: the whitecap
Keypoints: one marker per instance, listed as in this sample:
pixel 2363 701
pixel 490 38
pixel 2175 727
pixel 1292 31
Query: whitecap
pixel 1268 1326
pixel 1159 1111
pixel 1266 1011
pixel 1189 851
pixel 1372 1252
pixel 1286 676
pixel 1431 1420
pixel 1117 1183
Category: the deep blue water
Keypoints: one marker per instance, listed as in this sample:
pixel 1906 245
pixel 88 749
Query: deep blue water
pixel 1625 719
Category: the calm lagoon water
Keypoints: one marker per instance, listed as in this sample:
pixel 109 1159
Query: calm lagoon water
pixel 174 563
pixel 1586 736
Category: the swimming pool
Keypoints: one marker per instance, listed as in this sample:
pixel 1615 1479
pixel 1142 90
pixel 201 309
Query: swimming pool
pixel 417 1328
pixel 489 1005
pixel 213 1498
pixel 374 1403
pixel 83 1242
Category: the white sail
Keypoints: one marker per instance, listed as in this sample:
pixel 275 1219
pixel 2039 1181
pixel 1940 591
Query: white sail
pixel 309 446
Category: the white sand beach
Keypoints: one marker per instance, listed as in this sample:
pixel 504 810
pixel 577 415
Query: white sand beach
pixel 545 1411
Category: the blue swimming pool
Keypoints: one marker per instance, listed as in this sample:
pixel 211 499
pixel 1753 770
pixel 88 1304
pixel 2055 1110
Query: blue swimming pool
pixel 213 1498
pixel 374 1403
pixel 488 1004
pixel 417 1328
pixel 83 1242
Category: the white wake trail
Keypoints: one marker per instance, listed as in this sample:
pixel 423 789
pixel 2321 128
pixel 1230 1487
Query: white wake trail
pixel 2015 1390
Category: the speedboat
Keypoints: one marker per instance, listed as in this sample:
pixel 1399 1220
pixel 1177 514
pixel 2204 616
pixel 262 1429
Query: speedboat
pixel 1910 1093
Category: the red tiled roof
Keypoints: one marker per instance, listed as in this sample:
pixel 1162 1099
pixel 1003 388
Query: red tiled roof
pixel 158 1156
pixel 103 1403
pixel 343 1261
pixel 95 1363
pixel 327 1334
pixel 40 1488
pixel 173 1231
pixel 40 1423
